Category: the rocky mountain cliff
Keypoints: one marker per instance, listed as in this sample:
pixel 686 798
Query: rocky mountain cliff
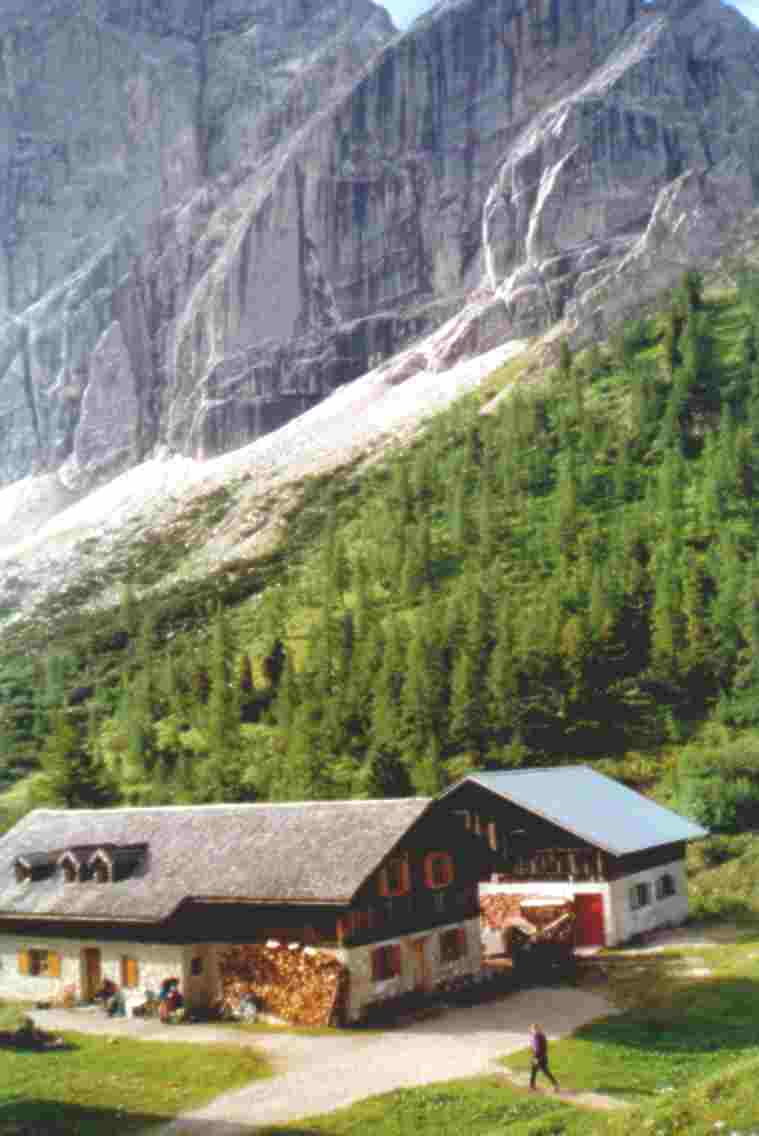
pixel 214 212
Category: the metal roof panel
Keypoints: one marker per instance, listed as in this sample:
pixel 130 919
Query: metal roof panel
pixel 592 806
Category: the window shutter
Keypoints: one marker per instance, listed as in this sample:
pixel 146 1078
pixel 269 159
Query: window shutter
pixel 53 964
pixel 382 885
pixel 24 966
pixel 133 973
pixel 377 965
pixel 406 875
pixel 396 957
pixel 461 941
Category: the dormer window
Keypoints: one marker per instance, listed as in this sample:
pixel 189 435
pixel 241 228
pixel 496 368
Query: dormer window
pixel 101 867
pixel 23 872
pixel 70 867
pixel 33 866
pixel 106 864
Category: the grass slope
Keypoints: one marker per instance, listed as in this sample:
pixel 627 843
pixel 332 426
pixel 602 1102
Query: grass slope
pixel 96 1085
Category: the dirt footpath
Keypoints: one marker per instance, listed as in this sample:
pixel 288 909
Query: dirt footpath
pixel 319 1074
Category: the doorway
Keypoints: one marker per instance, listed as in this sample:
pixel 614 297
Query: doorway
pixel 92 973
pixel 589 928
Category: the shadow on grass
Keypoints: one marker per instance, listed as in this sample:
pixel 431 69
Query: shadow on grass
pixel 685 1016
pixel 22 1117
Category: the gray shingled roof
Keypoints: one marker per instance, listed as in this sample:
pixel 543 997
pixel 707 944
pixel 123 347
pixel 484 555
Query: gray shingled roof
pixel 318 852
pixel 596 808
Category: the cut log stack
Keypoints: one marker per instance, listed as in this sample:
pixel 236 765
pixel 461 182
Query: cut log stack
pixel 498 911
pixel 299 984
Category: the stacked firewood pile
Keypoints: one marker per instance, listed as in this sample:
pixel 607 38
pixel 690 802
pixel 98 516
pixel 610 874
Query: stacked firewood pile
pixel 299 984
pixel 498 911
pixel 528 925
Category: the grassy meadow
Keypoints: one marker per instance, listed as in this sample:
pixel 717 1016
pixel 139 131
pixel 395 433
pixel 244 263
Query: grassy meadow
pixel 94 1084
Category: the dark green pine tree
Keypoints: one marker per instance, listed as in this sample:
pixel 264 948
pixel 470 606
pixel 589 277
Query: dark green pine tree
pixel 221 774
pixel 502 682
pixel 385 773
pixel 73 776
pixel 468 693
pixel 727 606
pixel 666 616
pixel 416 716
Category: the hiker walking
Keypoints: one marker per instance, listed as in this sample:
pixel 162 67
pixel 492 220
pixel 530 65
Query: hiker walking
pixel 539 1046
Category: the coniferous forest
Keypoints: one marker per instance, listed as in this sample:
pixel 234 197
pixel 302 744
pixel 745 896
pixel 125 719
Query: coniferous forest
pixel 570 576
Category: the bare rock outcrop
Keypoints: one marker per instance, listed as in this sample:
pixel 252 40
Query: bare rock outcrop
pixel 262 199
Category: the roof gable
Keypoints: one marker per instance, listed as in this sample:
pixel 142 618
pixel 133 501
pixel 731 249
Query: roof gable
pixel 313 853
pixel 597 809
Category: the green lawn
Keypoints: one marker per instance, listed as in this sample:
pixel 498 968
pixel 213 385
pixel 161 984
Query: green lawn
pixel 483 1105
pixel 100 1085
pixel 679 1028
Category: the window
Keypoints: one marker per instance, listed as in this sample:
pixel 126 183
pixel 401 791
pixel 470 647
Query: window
pixel 640 896
pixel 23 872
pixel 452 944
pixel 100 869
pixel 70 870
pixel 130 972
pixel 665 886
pixel 39 964
pixel 438 870
pixel 395 878
pixel 386 962
pixel 196 966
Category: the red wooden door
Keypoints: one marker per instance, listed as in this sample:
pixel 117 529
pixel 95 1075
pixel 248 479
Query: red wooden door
pixel 589 929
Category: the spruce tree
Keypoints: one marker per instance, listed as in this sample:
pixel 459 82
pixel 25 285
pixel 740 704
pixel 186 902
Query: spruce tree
pixel 71 773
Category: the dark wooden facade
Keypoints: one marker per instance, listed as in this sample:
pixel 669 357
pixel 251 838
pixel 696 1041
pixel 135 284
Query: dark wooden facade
pixel 519 846
pixel 423 902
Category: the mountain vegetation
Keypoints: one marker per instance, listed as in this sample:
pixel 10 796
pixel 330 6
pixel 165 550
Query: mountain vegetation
pixel 569 575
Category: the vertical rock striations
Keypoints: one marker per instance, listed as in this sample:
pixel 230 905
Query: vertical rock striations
pixel 214 212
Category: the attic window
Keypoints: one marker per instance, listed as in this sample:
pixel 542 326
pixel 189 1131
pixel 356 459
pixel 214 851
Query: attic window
pixel 101 869
pixel 33 866
pixel 395 878
pixel 438 870
pixel 23 872
pixel 70 868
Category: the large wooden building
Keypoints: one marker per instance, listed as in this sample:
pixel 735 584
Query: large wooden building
pixel 389 890
pixel 141 895
pixel 571 834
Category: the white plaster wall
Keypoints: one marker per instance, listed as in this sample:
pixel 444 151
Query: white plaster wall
pixel 202 989
pixel 561 890
pixel 659 913
pixel 363 990
pixel 620 922
pixel 156 962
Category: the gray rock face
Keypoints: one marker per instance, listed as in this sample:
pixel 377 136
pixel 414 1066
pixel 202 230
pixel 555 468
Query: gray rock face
pixel 126 128
pixel 210 215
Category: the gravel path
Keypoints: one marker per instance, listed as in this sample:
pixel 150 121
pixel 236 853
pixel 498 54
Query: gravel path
pixel 318 1074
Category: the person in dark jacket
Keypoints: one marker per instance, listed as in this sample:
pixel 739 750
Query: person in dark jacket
pixel 539 1046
